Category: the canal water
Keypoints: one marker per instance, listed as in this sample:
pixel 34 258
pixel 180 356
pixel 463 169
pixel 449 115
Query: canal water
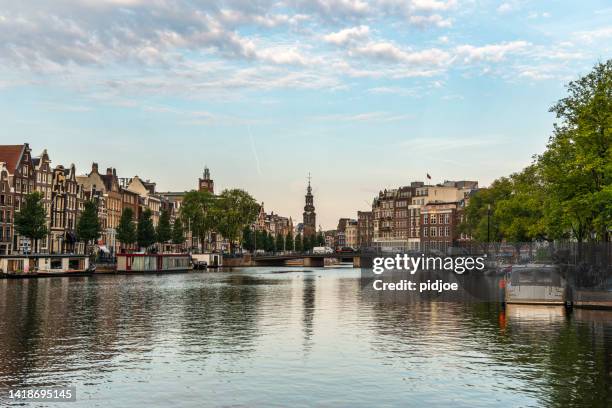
pixel 292 337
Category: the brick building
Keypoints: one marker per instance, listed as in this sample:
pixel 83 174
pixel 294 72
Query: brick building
pixel 365 228
pixel 22 181
pixel 6 211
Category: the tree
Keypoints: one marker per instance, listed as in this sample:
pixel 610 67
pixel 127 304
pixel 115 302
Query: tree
pixel 200 211
pixel 163 233
pixel 88 227
pixel 145 230
pixel 126 230
pixel 260 237
pixel 31 220
pixel 577 164
pixel 289 241
pixel 178 232
pixel 307 242
pixel 280 242
pixel 248 239
pixel 269 243
pixel 320 239
pixel 299 243
pixel 237 209
pixel 480 221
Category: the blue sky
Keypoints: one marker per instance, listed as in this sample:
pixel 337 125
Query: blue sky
pixel 365 95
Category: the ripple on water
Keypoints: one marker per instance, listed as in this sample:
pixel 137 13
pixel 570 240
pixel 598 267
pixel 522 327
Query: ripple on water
pixel 292 337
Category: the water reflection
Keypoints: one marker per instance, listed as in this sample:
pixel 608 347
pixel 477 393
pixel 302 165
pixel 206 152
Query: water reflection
pixel 298 338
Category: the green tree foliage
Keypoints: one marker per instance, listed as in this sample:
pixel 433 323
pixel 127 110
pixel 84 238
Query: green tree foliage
pixel 307 243
pixel 88 226
pixel 236 210
pixel 126 230
pixel 567 191
pixel 200 213
pixel 260 237
pixel 280 242
pixel 577 164
pixel 299 243
pixel 178 232
pixel 31 221
pixel 163 233
pixel 320 239
pixel 248 239
pixel 269 243
pixel 289 241
pixel 145 230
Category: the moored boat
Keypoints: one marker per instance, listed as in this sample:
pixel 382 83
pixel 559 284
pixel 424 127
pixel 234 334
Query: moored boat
pixel 44 265
pixel 536 284
pixel 153 263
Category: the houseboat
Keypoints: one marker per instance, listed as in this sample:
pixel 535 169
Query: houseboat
pixel 153 263
pixel 207 260
pixel 41 265
pixel 535 284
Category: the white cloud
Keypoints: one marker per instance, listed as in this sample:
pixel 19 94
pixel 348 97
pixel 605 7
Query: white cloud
pixel 491 52
pixel 505 8
pixel 432 5
pixel 390 52
pixel 347 35
pixel 590 36
pixel 379 116
pixel 431 20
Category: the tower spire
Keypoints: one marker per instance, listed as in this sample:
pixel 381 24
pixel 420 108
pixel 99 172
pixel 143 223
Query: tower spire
pixel 310 224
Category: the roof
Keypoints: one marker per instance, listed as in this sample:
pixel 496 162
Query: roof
pixel 108 181
pixel 10 154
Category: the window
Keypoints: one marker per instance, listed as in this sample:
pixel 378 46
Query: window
pixel 425 218
pixel 434 219
pixel 425 232
pixel 433 231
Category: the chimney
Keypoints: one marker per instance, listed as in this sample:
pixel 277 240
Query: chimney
pixel 94 167
pixel 109 171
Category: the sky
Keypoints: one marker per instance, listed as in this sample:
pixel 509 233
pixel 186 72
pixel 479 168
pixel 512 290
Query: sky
pixel 364 95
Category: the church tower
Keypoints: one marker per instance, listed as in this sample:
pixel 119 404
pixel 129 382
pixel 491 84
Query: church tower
pixel 205 183
pixel 310 217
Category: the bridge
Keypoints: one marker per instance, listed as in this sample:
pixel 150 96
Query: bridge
pixel 309 260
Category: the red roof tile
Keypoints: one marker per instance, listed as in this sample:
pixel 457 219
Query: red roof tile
pixel 10 154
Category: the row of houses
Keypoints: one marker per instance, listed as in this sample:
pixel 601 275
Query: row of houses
pixel 272 223
pixel 416 217
pixel 64 194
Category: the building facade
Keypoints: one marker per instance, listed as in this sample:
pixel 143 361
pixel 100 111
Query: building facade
pixel 44 185
pixel 398 214
pixel 351 234
pixel 66 204
pixel 439 227
pixel 22 181
pixel 6 211
pixel 365 228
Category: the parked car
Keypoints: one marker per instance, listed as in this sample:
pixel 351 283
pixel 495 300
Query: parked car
pixel 322 250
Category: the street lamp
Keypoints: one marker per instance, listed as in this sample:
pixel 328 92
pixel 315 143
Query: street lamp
pixel 488 223
pixel 488 227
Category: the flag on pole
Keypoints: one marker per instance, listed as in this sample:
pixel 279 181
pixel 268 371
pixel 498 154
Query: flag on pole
pixel 428 176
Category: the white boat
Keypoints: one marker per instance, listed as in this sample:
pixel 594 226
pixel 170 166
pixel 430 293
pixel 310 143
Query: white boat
pixel 535 284
pixel 41 265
